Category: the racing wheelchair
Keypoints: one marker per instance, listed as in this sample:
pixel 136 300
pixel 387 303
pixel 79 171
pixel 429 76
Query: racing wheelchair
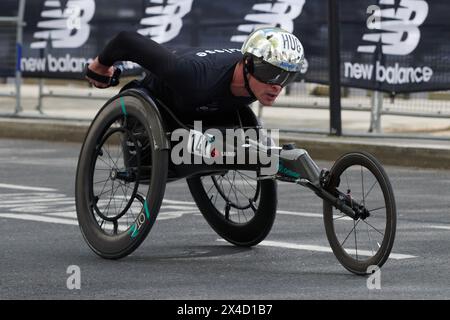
pixel 125 163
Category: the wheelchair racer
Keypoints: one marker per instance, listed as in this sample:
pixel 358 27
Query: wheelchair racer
pixel 195 80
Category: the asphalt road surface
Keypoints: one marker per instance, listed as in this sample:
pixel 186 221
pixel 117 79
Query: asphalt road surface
pixel 183 258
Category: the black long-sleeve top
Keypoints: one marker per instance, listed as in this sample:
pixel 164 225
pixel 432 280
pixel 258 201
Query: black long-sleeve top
pixel 189 81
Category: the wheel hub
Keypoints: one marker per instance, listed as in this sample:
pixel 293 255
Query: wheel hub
pixel 113 174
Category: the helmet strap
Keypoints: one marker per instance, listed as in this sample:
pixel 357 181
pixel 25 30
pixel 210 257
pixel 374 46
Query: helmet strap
pixel 246 83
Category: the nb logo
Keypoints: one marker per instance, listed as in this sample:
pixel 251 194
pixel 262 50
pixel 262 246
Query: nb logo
pixel 279 14
pixel 64 26
pixel 396 27
pixel 164 20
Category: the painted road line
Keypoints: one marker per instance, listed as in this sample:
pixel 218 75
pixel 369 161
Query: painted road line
pixel 62 214
pixel 39 218
pixel 179 207
pixel 179 202
pixel 311 215
pixel 35 199
pixel 21 195
pixel 69 217
pixel 292 213
pixel 288 245
pixel 26 204
pixel 440 227
pixel 47 219
pixel 300 214
pixel 162 215
pixel 173 214
pixel 20 187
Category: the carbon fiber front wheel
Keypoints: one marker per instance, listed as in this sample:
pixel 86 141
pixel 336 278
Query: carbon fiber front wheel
pixel 366 240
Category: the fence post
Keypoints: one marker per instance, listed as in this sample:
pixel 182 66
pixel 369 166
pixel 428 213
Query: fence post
pixel 375 112
pixel 40 94
pixel 334 69
pixel 19 41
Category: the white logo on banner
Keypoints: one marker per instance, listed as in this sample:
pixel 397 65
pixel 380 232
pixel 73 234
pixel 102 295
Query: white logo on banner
pixel 281 14
pixel 399 27
pixel 64 27
pixel 165 20
pixel 400 36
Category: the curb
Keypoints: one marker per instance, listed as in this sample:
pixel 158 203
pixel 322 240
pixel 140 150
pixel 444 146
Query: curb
pixel 320 148
pixel 65 131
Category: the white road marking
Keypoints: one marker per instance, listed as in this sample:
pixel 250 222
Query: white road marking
pixel 179 202
pixel 19 187
pixel 173 214
pixel 288 245
pixel 179 207
pixel 40 218
pixel 440 227
pixel 301 214
pixel 63 214
pixel 45 208
pixel 56 217
pixel 27 203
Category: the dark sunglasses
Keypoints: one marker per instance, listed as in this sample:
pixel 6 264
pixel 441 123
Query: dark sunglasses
pixel 268 73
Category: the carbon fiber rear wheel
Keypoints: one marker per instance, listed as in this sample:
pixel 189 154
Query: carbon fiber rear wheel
pixel 238 207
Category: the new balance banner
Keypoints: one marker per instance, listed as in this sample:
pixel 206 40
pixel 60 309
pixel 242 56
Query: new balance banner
pixel 388 45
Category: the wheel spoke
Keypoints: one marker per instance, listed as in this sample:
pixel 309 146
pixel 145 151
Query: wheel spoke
pixel 243 177
pixel 212 186
pixel 373 227
pixel 108 164
pixel 370 240
pixel 97 182
pixel 372 210
pixel 354 226
pixel 343 216
pixel 356 242
pixel 370 190
pixel 362 184
pixel 106 149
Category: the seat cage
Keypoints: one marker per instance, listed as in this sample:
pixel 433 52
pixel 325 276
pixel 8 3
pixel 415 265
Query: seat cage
pixel 167 124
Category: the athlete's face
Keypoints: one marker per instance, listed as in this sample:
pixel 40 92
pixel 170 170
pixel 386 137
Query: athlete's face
pixel 265 93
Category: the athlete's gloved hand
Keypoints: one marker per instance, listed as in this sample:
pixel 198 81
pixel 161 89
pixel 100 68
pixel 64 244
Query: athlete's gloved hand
pixel 101 76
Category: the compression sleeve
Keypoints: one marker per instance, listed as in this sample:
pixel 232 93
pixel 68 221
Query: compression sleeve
pixel 132 46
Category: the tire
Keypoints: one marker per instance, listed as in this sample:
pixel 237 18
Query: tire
pixel 361 178
pixel 119 153
pixel 250 213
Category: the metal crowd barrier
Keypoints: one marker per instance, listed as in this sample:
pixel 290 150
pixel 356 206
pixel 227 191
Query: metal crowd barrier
pixel 303 95
pixel 18 23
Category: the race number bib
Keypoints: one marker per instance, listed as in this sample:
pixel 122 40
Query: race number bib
pixel 200 144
